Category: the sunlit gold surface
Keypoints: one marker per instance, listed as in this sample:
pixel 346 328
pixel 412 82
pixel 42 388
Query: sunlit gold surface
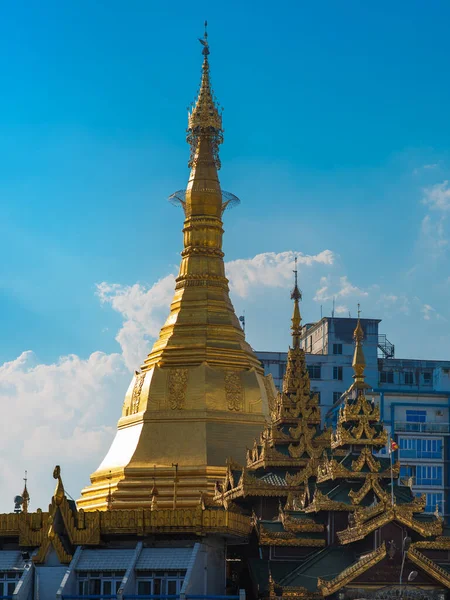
pixel 201 394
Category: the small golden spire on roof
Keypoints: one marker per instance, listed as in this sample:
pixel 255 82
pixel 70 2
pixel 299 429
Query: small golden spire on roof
pixel 359 361
pixel 296 296
pixel 25 496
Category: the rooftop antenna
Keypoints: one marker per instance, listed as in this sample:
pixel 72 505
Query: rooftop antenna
pixel 320 312
pixel 332 312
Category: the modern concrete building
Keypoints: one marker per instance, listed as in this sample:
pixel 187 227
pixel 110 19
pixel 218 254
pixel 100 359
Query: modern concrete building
pixel 414 396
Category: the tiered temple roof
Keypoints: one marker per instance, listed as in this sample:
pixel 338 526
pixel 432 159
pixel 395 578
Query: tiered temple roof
pixel 329 499
pixel 288 450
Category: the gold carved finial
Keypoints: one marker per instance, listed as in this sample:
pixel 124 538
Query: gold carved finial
pixel 59 493
pixel 296 296
pixel 205 120
pixel 25 495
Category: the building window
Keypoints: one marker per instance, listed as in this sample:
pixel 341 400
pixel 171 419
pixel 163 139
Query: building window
pixel 159 583
pixel 427 378
pixel 386 376
pixel 420 448
pixel 99 583
pixel 337 373
pixel 428 475
pixel 433 500
pixel 315 371
pixel 416 416
pixel 409 378
pixel 337 348
pixel 407 471
pixel 336 396
pixel 8 582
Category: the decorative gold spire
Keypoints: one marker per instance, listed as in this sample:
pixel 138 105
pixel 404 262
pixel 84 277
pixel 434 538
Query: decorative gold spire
pixel 359 361
pixel 204 120
pixel 296 296
pixel 25 496
pixel 201 387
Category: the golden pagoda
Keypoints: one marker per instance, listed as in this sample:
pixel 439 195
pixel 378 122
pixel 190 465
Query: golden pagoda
pixel 201 393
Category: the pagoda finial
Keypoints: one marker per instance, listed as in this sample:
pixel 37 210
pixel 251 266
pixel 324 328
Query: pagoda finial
pixel 25 495
pixel 296 296
pixel 359 361
pixel 205 120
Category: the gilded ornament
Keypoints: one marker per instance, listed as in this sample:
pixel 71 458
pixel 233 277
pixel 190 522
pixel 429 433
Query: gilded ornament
pixel 363 564
pixel 136 395
pixel 233 391
pixel 177 384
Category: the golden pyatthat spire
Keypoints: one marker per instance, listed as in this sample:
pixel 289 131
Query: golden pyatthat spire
pixel 201 388
pixel 359 361
pixel 296 296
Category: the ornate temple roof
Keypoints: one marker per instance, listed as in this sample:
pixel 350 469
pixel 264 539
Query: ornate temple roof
pixel 288 449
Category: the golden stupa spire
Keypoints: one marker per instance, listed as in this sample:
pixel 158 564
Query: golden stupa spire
pixel 201 388
pixel 296 296
pixel 359 361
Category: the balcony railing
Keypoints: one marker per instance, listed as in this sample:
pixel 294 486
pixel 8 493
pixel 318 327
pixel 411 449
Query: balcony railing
pixel 422 427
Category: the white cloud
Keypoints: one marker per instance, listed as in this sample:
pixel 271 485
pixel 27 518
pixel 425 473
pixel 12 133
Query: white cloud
pixel 56 413
pixel 270 269
pixel 437 196
pixel 428 167
pixel 341 309
pixel 337 288
pixel 393 303
pixel 427 311
pixel 434 235
pixel 143 310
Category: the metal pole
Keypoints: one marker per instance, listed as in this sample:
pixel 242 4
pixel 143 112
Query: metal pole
pixel 175 481
pixel 392 474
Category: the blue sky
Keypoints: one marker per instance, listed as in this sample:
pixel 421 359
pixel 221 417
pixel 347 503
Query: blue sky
pixel 336 139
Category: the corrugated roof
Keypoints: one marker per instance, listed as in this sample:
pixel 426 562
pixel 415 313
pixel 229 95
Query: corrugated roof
pixel 173 559
pixel 10 559
pixel 105 560
pixel 273 479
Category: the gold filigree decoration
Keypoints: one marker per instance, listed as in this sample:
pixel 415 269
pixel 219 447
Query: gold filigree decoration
pixel 233 391
pixel 429 566
pixel 322 502
pixel 268 384
pixel 366 457
pixel 363 564
pixel 136 395
pixel 371 483
pixel 294 525
pixel 177 382
pixel 286 538
pixel 402 513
